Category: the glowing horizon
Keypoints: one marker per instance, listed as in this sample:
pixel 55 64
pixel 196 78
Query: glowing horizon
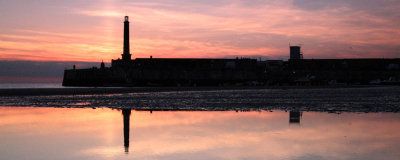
pixel 92 32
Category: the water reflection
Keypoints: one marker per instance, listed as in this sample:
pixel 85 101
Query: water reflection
pixel 295 116
pixel 126 114
pixel 38 133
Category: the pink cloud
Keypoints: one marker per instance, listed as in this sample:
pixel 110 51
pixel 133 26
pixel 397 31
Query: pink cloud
pixel 207 29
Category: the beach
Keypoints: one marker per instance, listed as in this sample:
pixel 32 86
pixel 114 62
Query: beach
pixel 321 99
pixel 119 90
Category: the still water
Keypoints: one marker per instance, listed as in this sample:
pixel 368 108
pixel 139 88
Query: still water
pixel 9 85
pixel 84 133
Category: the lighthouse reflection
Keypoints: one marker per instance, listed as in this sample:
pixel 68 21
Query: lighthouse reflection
pixel 294 118
pixel 126 115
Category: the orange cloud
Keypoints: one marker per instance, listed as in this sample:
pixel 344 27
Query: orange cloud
pixel 206 29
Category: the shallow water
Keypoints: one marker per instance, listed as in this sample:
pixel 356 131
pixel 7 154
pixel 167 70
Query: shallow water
pixel 84 133
pixel 7 85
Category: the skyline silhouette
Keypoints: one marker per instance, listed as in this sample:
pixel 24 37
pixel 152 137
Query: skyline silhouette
pixel 237 71
pixel 85 32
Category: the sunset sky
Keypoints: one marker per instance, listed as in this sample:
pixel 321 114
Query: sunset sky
pixel 91 31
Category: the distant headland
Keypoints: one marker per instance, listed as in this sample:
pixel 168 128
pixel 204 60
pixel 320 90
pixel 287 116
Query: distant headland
pixel 233 72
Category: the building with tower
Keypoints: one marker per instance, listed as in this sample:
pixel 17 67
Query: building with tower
pixel 126 71
pixel 151 71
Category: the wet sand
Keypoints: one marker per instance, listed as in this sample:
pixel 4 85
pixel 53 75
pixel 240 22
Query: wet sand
pixel 333 99
pixel 86 91
pixel 116 90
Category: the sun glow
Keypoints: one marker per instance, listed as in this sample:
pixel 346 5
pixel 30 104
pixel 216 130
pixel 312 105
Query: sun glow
pixel 199 29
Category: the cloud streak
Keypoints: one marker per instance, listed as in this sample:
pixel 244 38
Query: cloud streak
pixel 92 31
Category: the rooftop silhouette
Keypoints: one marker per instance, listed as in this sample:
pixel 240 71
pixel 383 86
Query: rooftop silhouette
pixel 233 72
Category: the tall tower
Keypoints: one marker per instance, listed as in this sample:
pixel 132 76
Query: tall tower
pixel 295 52
pixel 126 56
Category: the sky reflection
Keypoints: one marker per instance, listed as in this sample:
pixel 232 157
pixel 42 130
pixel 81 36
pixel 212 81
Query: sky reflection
pixel 60 133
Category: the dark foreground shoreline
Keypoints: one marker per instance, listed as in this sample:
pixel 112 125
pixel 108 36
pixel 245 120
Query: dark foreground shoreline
pixel 288 98
pixel 115 90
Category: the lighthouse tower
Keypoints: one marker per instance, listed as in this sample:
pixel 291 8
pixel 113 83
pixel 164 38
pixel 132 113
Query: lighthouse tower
pixel 126 56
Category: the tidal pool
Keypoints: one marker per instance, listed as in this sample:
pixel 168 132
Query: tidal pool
pixel 103 133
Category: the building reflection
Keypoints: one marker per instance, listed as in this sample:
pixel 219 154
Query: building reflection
pixel 126 114
pixel 295 116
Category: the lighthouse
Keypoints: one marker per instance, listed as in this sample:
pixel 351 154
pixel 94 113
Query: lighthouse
pixel 126 56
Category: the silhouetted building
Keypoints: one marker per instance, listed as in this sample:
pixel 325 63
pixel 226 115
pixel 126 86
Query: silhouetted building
pixel 126 114
pixel 224 72
pixel 165 71
pixel 345 71
pixel 102 65
pixel 295 52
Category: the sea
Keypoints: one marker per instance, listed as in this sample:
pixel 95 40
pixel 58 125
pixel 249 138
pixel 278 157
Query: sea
pixel 284 124
pixel 10 85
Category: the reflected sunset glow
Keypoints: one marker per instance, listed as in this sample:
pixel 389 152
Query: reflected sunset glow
pixel 98 134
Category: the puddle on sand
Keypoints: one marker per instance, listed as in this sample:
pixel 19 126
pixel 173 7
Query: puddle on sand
pixel 103 133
